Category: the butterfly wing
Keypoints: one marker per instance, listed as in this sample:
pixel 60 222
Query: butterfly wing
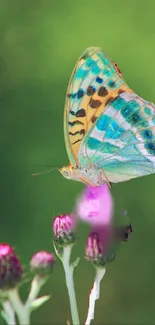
pixel 122 141
pixel 95 81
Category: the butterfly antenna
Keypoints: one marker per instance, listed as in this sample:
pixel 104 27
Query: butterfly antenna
pixel 44 172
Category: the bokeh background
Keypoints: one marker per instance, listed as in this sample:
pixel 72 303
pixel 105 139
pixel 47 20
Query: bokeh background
pixel 40 41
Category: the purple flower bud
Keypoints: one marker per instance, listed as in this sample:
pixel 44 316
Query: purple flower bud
pixel 63 228
pixel 98 247
pixel 102 244
pixel 95 205
pixel 42 263
pixel 11 270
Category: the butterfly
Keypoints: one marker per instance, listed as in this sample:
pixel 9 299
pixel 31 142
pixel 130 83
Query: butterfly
pixel 109 130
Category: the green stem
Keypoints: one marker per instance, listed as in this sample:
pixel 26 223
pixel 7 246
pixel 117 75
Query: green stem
pixel 8 313
pixel 36 285
pixel 22 312
pixel 68 268
pixel 94 294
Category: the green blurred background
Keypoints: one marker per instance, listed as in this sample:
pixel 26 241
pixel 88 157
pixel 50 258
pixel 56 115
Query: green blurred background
pixel 40 41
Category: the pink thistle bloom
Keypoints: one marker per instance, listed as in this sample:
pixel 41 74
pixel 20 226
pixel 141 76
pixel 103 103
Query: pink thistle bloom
pixel 103 242
pixel 63 228
pixel 96 252
pixel 42 263
pixel 11 270
pixel 95 205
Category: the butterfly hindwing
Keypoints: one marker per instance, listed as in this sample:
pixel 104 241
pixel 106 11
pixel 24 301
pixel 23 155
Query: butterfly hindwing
pixel 95 81
pixel 122 141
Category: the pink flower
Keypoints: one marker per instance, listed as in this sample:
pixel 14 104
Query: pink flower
pixel 95 206
pixel 97 248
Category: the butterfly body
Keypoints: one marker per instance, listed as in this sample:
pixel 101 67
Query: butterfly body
pixel 90 176
pixel 109 130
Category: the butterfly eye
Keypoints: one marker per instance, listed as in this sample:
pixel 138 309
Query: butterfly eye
pixel 66 173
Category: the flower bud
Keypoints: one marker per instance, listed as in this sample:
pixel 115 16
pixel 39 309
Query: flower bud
pixel 96 252
pixel 63 228
pixel 42 263
pixel 11 270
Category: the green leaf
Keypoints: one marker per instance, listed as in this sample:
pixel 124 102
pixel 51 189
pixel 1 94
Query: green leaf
pixel 76 262
pixel 4 316
pixel 39 301
pixel 58 253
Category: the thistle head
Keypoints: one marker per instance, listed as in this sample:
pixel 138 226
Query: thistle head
pixel 11 270
pixel 103 242
pixel 97 248
pixel 42 263
pixel 63 229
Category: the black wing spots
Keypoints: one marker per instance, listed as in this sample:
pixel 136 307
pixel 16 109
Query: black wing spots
pixel 117 69
pixel 72 95
pixel 109 100
pixel 99 80
pixel 111 83
pixel 93 119
pixel 84 57
pixel 76 141
pixel 147 134
pixel 102 91
pixel 121 91
pixel 94 103
pixel 90 91
pixel 80 93
pixel 76 122
pixel 72 113
pixel 82 131
pixel 150 147
pixel 80 113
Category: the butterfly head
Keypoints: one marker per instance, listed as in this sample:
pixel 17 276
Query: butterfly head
pixel 72 172
pixel 90 176
pixel 67 171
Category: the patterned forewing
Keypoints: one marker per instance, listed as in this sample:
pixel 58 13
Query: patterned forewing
pixel 95 81
pixel 122 141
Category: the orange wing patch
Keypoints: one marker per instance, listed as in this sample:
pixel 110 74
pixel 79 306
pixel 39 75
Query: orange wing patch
pixel 96 80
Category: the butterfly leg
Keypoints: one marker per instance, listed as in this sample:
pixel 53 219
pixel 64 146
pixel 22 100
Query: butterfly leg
pixel 85 181
pixel 101 173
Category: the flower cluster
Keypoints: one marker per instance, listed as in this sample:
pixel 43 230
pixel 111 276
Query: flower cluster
pixel 95 207
pixel 12 275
